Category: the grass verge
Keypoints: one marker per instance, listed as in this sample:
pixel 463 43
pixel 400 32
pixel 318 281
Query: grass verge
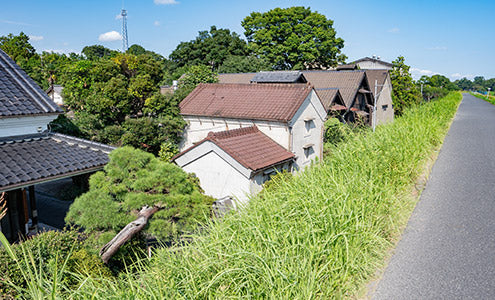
pixel 321 234
pixel 490 99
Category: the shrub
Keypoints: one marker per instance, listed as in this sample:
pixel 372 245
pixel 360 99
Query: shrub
pixel 48 251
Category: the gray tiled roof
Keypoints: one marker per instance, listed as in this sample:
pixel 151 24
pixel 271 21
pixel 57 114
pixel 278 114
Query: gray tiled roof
pixel 279 77
pixel 30 159
pixel 19 94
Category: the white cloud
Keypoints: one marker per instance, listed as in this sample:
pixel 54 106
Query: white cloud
pixel 61 51
pixel 417 73
pixel 110 36
pixel 394 30
pixel 459 76
pixel 165 2
pixel 437 48
pixel 15 23
pixel 36 37
pixel 157 23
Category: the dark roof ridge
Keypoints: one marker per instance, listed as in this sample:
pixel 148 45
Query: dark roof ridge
pixel 56 136
pixel 335 71
pixel 241 73
pixel 24 81
pixel 259 86
pixel 95 145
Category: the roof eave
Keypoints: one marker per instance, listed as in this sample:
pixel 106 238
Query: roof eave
pixel 51 178
pixel 32 115
pixel 253 172
pixel 237 118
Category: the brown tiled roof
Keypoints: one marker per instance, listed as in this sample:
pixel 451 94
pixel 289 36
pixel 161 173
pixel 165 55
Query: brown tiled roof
pixel 249 146
pixel 235 77
pixel 348 82
pixel 329 96
pixel 347 67
pixel 380 76
pixel 275 102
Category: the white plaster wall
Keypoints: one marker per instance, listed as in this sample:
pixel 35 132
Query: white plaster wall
pixel 198 128
pixel 311 133
pixel 385 98
pixel 218 178
pixel 372 65
pixel 57 98
pixel 24 125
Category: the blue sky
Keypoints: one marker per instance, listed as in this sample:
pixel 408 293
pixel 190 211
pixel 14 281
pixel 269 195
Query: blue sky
pixel 453 38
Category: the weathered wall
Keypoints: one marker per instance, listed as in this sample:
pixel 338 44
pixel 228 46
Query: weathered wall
pixel 308 132
pixel 219 175
pixel 384 108
pixel 372 65
pixel 198 128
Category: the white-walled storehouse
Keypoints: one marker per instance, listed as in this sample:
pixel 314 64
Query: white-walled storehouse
pixel 290 114
pixel 55 93
pixel 383 96
pixel 234 163
pixel 371 63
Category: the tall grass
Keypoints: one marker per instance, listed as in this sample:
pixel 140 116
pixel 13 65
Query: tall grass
pixel 321 234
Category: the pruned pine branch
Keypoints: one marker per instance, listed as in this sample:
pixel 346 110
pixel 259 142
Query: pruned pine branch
pixel 129 231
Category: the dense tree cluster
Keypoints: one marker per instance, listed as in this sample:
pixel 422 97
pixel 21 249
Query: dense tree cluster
pixel 479 84
pixel 436 86
pixel 404 93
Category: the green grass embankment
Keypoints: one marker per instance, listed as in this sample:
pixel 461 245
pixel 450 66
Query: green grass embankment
pixel 322 234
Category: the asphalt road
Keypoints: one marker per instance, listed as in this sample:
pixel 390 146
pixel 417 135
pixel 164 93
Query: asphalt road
pixel 448 248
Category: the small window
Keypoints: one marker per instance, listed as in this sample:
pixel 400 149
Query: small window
pixel 268 174
pixel 308 150
pixel 384 107
pixel 309 123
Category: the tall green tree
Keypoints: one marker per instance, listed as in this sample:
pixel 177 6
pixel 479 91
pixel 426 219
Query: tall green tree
pixel 17 46
pixel 209 48
pixel 464 84
pixel 294 38
pixel 404 91
pixel 95 52
pixel 244 64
